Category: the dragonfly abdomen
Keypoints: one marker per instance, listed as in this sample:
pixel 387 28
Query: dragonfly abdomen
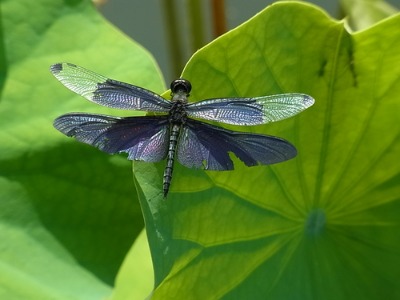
pixel 173 141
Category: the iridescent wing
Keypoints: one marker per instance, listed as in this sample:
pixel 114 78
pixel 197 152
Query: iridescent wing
pixel 143 138
pixel 108 92
pixel 250 111
pixel 206 146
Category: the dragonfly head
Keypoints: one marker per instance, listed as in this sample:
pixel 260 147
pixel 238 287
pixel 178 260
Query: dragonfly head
pixel 181 86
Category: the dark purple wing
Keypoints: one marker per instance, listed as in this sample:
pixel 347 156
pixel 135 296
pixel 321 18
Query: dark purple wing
pixel 206 146
pixel 108 92
pixel 143 138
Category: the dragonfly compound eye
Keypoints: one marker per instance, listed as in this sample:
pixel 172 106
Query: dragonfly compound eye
pixel 181 85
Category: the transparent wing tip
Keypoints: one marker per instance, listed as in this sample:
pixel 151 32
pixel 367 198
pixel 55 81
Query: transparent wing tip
pixel 308 101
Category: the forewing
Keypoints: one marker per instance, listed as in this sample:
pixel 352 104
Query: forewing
pixel 206 146
pixel 250 111
pixel 143 138
pixel 108 92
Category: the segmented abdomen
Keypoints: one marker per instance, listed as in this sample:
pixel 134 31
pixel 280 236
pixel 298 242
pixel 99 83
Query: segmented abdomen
pixel 173 141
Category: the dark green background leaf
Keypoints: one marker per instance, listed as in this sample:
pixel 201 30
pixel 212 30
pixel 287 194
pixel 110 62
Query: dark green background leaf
pixel 69 213
pixel 321 226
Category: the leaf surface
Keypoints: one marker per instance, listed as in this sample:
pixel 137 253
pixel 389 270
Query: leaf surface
pixel 69 213
pixel 324 224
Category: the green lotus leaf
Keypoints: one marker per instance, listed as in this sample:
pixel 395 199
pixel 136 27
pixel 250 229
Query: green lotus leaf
pixel 68 213
pixel 321 226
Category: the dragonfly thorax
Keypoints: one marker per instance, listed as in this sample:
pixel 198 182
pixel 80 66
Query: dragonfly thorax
pixel 177 113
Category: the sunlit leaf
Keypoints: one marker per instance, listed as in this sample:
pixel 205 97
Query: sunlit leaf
pixel 321 226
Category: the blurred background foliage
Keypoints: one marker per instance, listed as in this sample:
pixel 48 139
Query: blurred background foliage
pixel 175 29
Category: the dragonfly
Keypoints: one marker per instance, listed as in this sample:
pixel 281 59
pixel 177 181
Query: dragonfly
pixel 175 132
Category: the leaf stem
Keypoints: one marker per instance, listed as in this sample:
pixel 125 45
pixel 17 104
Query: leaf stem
pixel 174 37
pixel 218 10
